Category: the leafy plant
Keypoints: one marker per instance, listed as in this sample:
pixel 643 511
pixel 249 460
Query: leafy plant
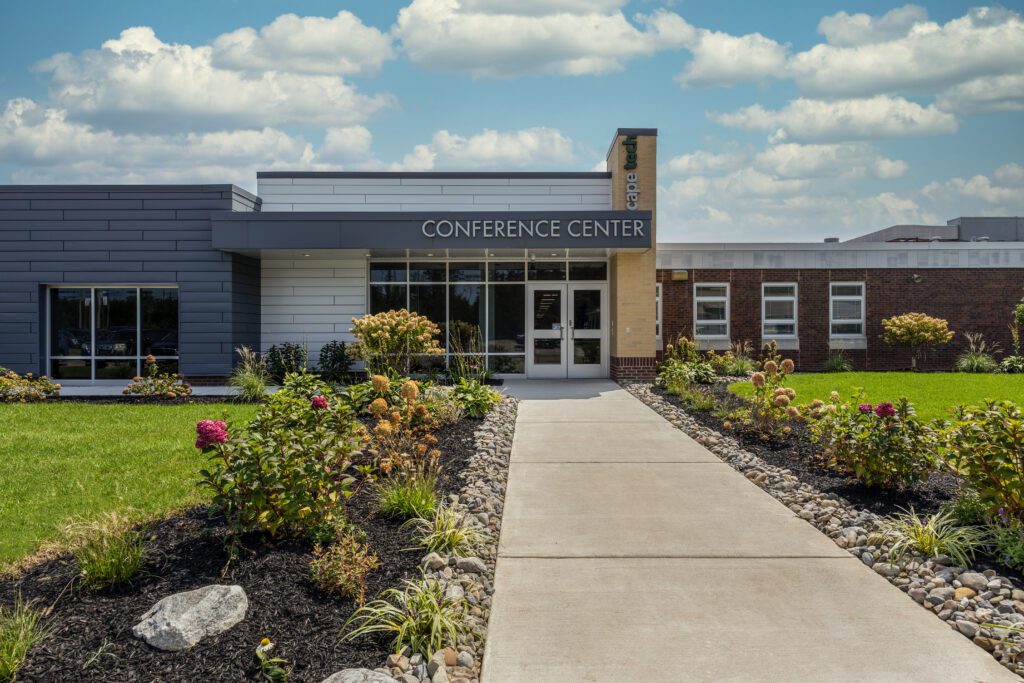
pixel 967 508
pixel 342 567
pixel 475 399
pixel 442 404
pixel 21 627
pixel 446 531
pixel 838 362
pixel 979 355
pixel 388 341
pixel 916 331
pixel 986 445
pixel 109 552
pixel 1009 545
pixel 250 376
pixel 933 536
pixel 335 361
pixel 677 376
pixel 1012 365
pixel 287 473
pixel 465 359
pixel 156 384
pixel 736 362
pixel 681 349
pixel 407 496
pixel 696 398
pixel 15 388
pixel 286 358
pixel 418 614
pixel 883 445
pixel 402 439
pixel 271 668
pixel 771 405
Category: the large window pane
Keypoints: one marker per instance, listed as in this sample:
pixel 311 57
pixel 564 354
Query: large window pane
pixel 507 364
pixel 71 323
pixel 387 298
pixel 710 290
pixel 514 271
pixel 506 318
pixel 429 300
pixel 847 290
pixel 586 351
pixel 779 310
pixel 426 272
pixel 116 323
pixel 547 271
pixel 159 322
pixel 71 369
pixel 466 317
pixel 846 309
pixel 586 309
pixel 588 271
pixel 710 310
pixel 547 309
pixel 779 329
pixel 465 272
pixel 779 290
pixel 712 329
pixel 387 272
pixel 116 369
pixel 847 328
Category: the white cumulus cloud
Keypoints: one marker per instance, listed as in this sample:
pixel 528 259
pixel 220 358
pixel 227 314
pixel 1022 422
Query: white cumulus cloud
pixel 848 30
pixel 791 160
pixel 526 148
pixel 721 59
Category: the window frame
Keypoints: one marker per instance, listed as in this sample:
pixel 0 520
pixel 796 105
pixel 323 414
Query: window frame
pixel 794 297
pixel 93 357
pixel 658 332
pixel 728 311
pixel 862 299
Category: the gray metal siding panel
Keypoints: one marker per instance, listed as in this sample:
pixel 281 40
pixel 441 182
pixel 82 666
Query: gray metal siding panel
pixel 132 234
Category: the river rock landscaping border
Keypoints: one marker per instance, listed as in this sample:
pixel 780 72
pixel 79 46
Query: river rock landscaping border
pixel 967 599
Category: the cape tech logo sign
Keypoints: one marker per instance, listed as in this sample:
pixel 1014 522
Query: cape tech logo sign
pixel 632 183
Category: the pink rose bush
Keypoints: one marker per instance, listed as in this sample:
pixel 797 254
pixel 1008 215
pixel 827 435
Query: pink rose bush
pixel 210 432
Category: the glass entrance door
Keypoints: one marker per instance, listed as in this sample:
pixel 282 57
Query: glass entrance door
pixel 568 331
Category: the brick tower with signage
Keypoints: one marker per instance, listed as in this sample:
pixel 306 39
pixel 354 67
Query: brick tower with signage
pixel 632 161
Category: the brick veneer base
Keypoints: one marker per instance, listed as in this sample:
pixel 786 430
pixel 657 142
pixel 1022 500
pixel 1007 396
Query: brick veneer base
pixel 634 368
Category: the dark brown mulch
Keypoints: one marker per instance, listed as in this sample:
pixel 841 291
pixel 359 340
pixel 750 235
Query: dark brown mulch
pixel 92 640
pixel 804 459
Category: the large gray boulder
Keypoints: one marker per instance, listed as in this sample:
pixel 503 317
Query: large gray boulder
pixel 181 620
pixel 358 676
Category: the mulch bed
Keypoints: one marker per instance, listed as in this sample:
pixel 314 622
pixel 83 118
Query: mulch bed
pixel 92 640
pixel 804 459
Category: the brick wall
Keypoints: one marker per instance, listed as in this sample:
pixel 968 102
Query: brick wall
pixel 971 299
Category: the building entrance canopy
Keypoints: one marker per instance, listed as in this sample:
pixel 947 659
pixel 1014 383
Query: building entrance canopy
pixel 253 231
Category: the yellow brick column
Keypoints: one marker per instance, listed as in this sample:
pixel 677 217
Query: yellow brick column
pixel 633 274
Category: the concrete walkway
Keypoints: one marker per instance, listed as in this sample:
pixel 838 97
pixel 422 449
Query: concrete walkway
pixel 629 552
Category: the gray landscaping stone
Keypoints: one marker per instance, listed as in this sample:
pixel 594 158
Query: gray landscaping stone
pixel 968 628
pixel 974 580
pixel 433 561
pixel 473 565
pixel 358 676
pixel 181 620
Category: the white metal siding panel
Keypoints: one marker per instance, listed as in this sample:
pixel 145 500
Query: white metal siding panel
pixel 311 300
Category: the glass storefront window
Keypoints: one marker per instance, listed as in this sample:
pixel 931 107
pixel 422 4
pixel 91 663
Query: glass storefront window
pixel 426 272
pixel 388 272
pixel 547 271
pixel 387 298
pixel 465 272
pixel 588 270
pixel 506 318
pixel 429 300
pixel 466 318
pixel 506 272
pixel 106 332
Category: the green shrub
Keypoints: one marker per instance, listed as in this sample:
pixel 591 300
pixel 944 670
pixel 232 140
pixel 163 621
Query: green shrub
pixel 15 388
pixel 1009 546
pixel 250 376
pixel 442 404
pixel 335 362
pixel 21 627
pixel 771 405
pixel 447 532
pixel 156 384
pixel 1012 365
pixel 916 331
pixel 109 552
pixel 937 535
pixel 696 398
pixel 287 473
pixel 475 399
pixel 387 342
pixel 838 362
pixel 286 358
pixel 967 508
pixel 418 614
pixel 342 567
pixel 884 445
pixel 677 376
pixel 978 356
pixel 407 496
pixel 986 445
pixel 736 362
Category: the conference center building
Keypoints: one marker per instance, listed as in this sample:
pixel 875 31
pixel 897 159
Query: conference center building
pixel 549 275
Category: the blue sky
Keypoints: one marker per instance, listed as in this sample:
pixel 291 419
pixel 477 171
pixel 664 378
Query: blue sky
pixel 778 121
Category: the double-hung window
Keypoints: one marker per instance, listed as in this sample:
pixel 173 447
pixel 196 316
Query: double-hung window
pixel 711 311
pixel 778 310
pixel 846 310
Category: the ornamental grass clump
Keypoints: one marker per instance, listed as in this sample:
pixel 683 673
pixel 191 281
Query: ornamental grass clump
pixel 250 376
pixel 979 356
pixel 446 531
pixel 156 384
pixel 387 342
pixel 290 471
pixel 407 495
pixel 109 551
pixel 918 332
pixel 22 626
pixel 883 445
pixel 939 534
pixel 419 614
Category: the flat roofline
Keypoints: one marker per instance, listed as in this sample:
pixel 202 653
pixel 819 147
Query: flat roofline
pixel 215 187
pixel 432 174
pixel 833 246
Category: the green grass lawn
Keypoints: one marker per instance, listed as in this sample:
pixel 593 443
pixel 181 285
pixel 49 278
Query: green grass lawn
pixel 933 394
pixel 59 460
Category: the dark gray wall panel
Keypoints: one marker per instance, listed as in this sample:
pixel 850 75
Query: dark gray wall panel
pixel 156 235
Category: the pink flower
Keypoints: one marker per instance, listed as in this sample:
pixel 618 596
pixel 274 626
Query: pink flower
pixel 210 432
pixel 318 403
pixel 865 408
pixel 884 410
